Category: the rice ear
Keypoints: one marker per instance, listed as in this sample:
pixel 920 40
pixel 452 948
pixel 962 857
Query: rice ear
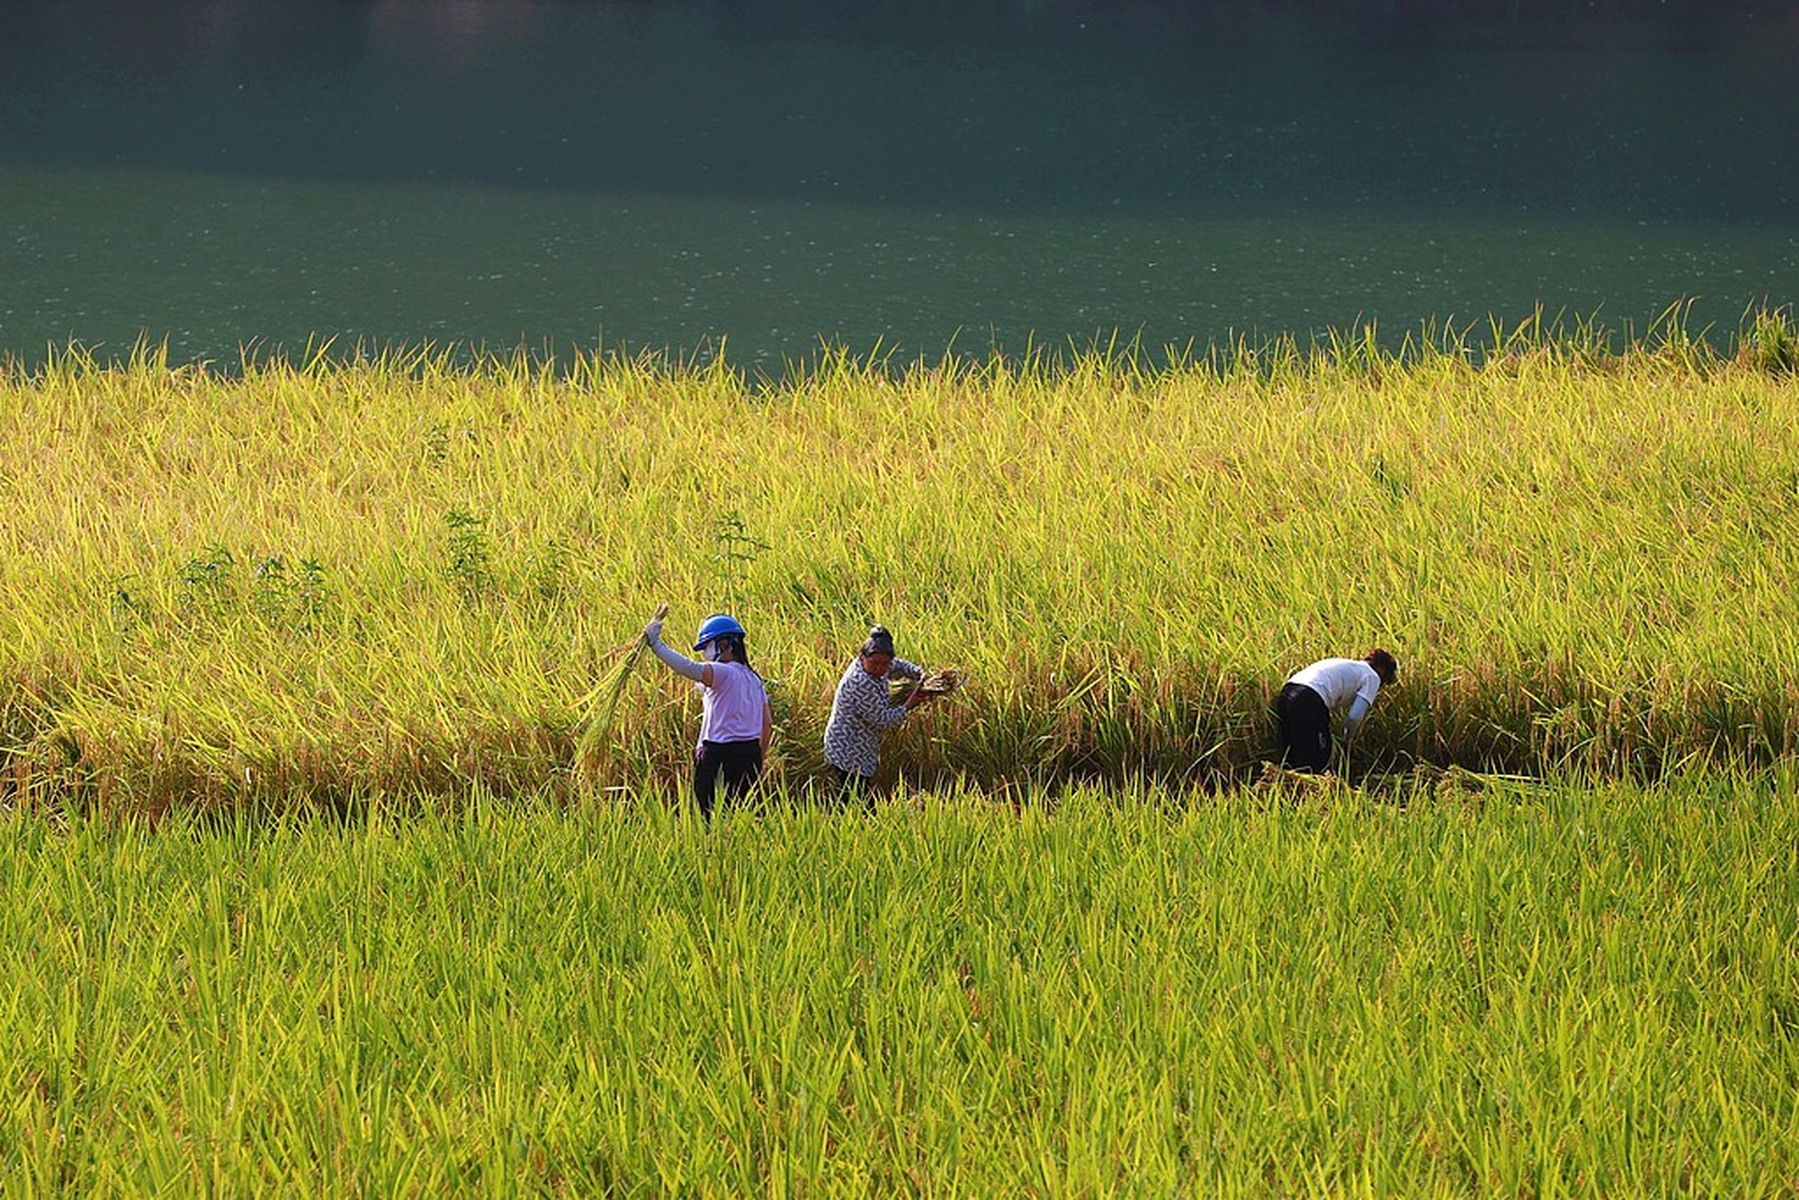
pixel 942 683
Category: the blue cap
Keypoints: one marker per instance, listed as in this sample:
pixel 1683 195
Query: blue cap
pixel 716 626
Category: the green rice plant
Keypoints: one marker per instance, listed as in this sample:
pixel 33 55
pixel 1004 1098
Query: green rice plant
pixel 1474 987
pixel 1770 341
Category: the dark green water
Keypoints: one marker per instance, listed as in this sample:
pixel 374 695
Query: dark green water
pixel 668 175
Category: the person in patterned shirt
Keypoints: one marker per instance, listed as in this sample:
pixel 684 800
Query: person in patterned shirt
pixel 862 712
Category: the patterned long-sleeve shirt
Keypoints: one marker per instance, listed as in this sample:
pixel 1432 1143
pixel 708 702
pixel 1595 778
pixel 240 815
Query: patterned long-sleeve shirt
pixel 860 713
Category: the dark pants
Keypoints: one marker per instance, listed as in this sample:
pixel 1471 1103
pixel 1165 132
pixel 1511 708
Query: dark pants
pixel 852 790
pixel 1305 725
pixel 738 762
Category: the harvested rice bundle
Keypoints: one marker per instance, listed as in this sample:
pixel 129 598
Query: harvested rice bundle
pixel 934 683
pixel 941 683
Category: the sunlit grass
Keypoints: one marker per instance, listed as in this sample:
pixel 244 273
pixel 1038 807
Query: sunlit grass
pixel 284 582
pixel 405 589
pixel 1552 991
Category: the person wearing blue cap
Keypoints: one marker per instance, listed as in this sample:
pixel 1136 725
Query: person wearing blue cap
pixel 736 723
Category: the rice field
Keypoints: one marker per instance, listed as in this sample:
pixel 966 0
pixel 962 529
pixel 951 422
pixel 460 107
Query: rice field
pixel 341 853
pixel 282 584
pixel 1564 991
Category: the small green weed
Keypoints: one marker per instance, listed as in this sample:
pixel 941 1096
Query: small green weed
pixel 469 558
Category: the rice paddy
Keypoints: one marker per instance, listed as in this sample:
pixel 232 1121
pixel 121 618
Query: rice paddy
pixel 343 850
pixel 1575 991
pixel 282 584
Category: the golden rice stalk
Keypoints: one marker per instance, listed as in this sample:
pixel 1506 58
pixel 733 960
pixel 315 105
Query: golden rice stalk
pixel 934 683
pixel 942 683
pixel 591 740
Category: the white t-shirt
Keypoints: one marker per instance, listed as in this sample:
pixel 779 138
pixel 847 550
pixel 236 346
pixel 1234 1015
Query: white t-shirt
pixel 732 711
pixel 1340 681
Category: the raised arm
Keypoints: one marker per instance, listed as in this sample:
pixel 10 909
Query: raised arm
pixel 677 662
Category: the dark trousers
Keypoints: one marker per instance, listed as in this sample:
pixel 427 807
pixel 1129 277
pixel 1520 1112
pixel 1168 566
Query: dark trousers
pixel 1305 726
pixel 738 762
pixel 852 790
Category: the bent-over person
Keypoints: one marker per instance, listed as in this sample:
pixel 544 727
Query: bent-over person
pixel 1303 708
